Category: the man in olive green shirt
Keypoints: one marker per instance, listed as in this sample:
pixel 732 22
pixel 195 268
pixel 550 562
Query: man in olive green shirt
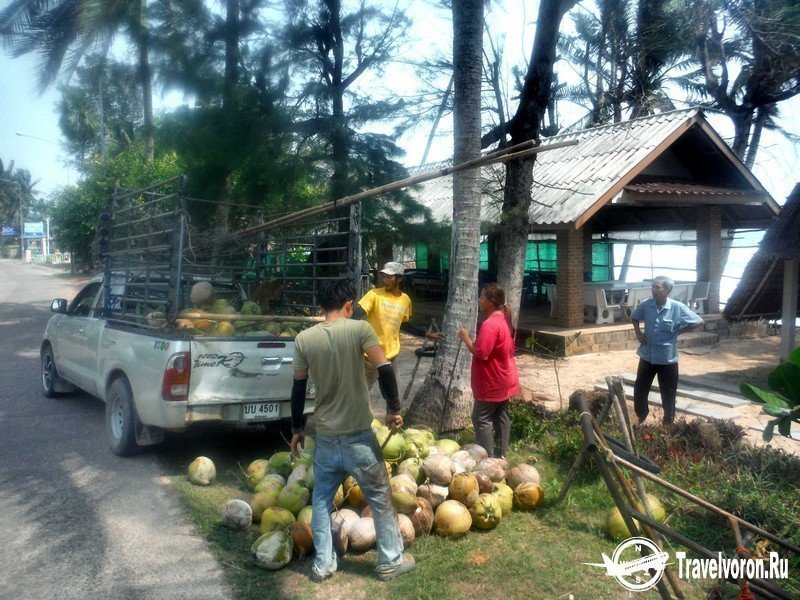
pixel 332 353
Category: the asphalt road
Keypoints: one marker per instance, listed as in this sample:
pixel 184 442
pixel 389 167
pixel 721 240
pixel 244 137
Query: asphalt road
pixel 75 520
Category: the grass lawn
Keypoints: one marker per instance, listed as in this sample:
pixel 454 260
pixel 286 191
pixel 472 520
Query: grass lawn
pixel 529 555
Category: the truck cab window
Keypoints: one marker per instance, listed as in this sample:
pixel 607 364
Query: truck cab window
pixel 81 306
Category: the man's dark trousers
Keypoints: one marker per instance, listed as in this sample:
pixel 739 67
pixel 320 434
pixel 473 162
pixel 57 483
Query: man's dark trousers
pixel 667 383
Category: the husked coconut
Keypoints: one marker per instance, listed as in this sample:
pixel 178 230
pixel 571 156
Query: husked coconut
pixel 339 533
pixel 463 461
pixel 485 484
pixel 439 469
pixel 404 481
pixel 362 535
pixel 422 518
pixel 452 519
pixel 237 514
pixel 493 468
pixel 476 451
pixel 345 516
pixel 406 530
pixel 435 494
pixel 202 294
pixel 522 473
pixel 202 471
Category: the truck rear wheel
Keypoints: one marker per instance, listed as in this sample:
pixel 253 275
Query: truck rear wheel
pixel 121 418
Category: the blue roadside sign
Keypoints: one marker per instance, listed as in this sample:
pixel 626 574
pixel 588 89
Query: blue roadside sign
pixel 33 230
pixel 8 230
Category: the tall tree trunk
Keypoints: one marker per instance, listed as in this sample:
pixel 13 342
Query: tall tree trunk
pixel 755 139
pixel 231 52
pixel 519 174
pixel 445 400
pixel 146 75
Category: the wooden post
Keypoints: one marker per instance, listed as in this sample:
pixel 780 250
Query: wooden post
pixel 789 311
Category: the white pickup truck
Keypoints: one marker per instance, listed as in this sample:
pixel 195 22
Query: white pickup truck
pixel 152 381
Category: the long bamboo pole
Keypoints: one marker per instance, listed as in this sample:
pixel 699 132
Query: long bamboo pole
pixel 522 150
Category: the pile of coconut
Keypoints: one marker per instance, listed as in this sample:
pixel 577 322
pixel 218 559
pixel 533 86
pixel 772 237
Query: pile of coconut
pixel 437 486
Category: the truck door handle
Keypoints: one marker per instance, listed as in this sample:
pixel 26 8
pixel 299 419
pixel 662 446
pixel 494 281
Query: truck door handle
pixel 270 361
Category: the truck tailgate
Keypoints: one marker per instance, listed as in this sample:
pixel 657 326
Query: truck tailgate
pixel 237 371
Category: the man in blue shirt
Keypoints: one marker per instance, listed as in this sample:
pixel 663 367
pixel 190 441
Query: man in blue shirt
pixel 664 319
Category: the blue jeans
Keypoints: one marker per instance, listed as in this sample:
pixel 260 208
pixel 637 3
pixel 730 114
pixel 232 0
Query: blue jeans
pixel 357 454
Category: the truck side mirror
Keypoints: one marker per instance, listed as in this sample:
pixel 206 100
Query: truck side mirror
pixel 59 305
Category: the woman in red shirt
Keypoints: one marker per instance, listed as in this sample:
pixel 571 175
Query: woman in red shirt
pixel 494 373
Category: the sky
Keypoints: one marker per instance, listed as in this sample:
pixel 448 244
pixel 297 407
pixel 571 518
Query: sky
pixel 34 116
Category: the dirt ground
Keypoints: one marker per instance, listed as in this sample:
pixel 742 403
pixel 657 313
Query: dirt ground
pixel 731 362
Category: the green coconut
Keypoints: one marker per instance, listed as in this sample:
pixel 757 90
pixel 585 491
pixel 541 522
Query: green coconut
pixel 273 550
pixel 615 524
pixel 250 308
pixel 202 471
pixel 270 481
pixel 304 516
pixel 505 495
pixel 263 500
pixel 468 435
pixel 256 471
pixel 281 463
pixel 275 518
pixel 447 446
pixel 413 468
pixel 395 448
pixel 293 497
pixel 486 511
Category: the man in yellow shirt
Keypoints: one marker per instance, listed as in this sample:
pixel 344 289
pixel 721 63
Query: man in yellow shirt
pixel 386 308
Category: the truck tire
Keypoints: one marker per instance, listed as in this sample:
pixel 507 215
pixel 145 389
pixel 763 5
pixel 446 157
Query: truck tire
pixel 121 418
pixel 50 379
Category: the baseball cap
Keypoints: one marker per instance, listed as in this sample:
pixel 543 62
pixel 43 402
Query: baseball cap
pixel 393 268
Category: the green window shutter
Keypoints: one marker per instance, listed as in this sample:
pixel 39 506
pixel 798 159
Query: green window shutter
pixel 421 256
pixel 601 259
pixel 483 260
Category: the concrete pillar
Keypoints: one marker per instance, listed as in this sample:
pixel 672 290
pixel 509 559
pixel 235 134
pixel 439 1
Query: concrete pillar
pixel 569 278
pixel 709 252
pixel 789 308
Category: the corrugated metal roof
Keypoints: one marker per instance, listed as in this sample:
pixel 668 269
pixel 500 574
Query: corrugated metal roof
pixel 569 181
pixel 572 182
pixel 690 189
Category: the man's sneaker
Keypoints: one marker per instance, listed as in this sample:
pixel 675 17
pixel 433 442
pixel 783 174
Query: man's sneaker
pixel 317 577
pixel 406 565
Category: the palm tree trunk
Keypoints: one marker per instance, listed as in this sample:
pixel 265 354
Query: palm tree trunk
pixel 519 174
pixel 146 75
pixel 445 400
pixel 755 139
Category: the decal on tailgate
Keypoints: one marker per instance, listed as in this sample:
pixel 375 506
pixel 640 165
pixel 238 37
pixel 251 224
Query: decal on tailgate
pixel 230 361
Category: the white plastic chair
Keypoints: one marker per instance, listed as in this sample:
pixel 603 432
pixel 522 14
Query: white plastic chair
pixel 699 296
pixel 635 296
pixel 680 292
pixel 604 312
pixel 552 296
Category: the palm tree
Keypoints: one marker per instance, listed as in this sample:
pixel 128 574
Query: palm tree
pixel 62 32
pixel 445 399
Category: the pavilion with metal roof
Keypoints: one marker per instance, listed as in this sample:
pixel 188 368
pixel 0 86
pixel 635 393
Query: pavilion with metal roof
pixel 666 172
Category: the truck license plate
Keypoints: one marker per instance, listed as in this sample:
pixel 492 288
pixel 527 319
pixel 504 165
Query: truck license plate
pixel 253 412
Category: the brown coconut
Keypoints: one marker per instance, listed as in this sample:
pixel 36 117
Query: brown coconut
pixel 422 518
pixel 302 538
pixel 406 530
pixel 522 473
